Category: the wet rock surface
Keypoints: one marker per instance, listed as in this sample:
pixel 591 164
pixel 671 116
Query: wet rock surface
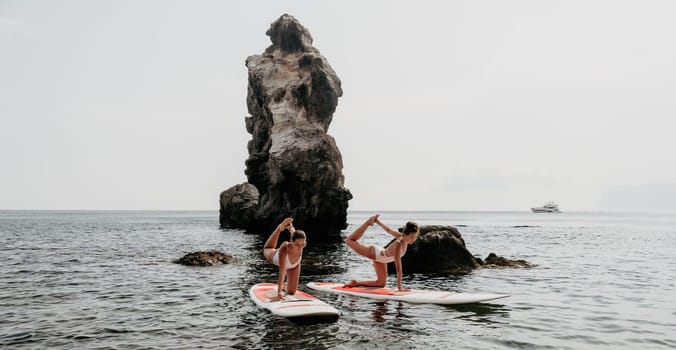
pixel 205 258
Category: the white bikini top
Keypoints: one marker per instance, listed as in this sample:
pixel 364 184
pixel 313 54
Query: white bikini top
pixel 289 265
pixel 384 249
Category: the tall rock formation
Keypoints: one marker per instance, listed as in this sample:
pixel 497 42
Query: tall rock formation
pixel 293 163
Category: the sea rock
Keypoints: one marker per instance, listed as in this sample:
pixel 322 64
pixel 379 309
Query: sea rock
pixel 492 260
pixel 293 163
pixel 441 249
pixel 437 249
pixel 238 206
pixel 205 258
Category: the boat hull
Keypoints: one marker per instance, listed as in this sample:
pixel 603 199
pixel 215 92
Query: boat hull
pixel 543 210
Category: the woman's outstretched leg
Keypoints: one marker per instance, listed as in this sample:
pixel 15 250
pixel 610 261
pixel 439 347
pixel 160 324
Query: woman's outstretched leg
pixel 271 244
pixel 359 232
pixel 352 240
pixel 362 249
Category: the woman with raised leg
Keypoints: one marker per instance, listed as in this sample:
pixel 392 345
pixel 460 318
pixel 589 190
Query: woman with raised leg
pixel 381 256
pixel 287 256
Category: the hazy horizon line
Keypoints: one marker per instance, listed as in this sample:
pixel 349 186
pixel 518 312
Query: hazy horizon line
pixel 375 211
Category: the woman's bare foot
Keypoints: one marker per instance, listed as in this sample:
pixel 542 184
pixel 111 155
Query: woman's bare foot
pixel 351 284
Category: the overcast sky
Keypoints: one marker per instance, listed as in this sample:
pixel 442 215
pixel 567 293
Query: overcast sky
pixel 447 105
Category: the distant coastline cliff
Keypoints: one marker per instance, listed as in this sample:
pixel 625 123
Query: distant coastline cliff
pixel 294 167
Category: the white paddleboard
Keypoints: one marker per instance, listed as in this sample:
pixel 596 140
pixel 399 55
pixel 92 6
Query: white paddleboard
pixel 298 305
pixel 411 296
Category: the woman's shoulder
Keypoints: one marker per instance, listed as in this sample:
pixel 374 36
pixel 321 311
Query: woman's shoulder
pixel 396 243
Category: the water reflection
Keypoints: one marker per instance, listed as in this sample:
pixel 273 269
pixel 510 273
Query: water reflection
pixel 283 336
pixel 481 312
pixel 381 310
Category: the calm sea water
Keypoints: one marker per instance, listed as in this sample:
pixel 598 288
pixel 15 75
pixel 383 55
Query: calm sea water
pixel 104 280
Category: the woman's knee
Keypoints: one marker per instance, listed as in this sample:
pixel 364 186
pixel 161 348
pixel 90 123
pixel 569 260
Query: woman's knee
pixel 381 284
pixel 355 245
pixel 381 281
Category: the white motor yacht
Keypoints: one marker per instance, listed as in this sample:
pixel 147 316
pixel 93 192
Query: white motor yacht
pixel 550 207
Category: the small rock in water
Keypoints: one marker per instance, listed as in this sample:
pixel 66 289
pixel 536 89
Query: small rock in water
pixel 494 260
pixel 208 258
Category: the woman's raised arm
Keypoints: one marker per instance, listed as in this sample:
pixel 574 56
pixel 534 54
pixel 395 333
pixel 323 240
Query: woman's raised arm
pixel 388 229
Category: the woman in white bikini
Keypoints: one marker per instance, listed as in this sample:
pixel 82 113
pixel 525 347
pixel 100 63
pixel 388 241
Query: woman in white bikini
pixel 287 256
pixel 381 256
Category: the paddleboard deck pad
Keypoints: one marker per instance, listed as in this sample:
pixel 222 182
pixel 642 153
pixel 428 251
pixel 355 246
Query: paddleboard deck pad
pixel 411 296
pixel 297 307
